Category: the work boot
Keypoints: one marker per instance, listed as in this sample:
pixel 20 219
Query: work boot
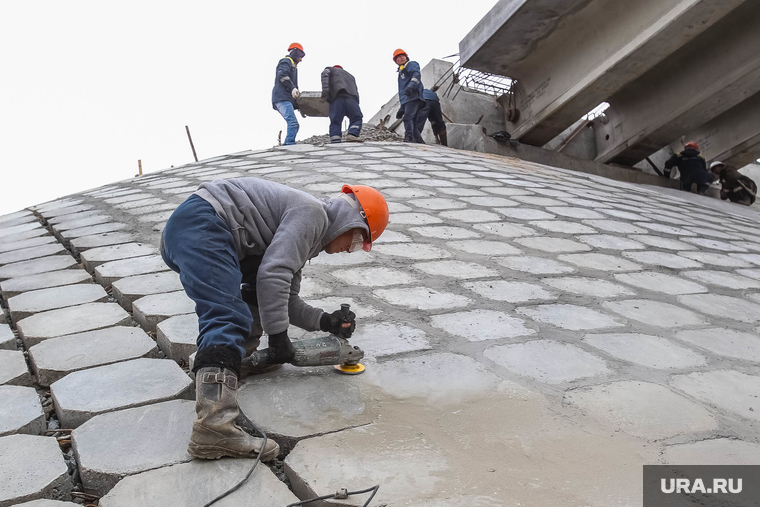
pixel 350 138
pixel 216 432
pixel 443 138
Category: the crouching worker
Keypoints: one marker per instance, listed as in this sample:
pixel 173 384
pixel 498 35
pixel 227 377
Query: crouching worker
pixel 271 231
pixel 735 186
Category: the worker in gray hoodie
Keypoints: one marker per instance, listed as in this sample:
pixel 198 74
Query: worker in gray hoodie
pixel 261 233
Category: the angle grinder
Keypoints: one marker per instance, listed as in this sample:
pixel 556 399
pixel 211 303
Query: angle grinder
pixel 322 351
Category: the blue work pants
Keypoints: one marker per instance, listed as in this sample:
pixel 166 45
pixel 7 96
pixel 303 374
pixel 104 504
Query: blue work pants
pixel 414 116
pixel 344 105
pixel 197 244
pixel 285 108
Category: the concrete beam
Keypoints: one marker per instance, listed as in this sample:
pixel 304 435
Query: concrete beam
pixel 694 85
pixel 568 57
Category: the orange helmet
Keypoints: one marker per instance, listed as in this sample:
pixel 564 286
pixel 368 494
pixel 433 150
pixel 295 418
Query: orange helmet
pixel 374 208
pixel 295 45
pixel 399 52
pixel 691 144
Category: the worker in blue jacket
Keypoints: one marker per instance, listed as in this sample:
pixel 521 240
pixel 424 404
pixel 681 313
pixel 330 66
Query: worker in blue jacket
pixel 410 94
pixel 285 93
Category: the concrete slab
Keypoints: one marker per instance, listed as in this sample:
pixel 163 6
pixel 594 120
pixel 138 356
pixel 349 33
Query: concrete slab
pixel 511 292
pixel 21 236
pixel 32 468
pixel 91 230
pixel 505 230
pixel 81 222
pixel 731 391
pixel 422 298
pixel 593 287
pixel 572 317
pixel 722 279
pixel 714 244
pixel 36 266
pixel 724 342
pixel 55 358
pixel 112 446
pixel 81 395
pixel 27 243
pixel 524 213
pixel 150 310
pixel 197 483
pixel 552 245
pixel 615 226
pixel 21 411
pixel 647 350
pixel 445 232
pixel 660 282
pixel 7 338
pixel 373 276
pixel 600 262
pixel 73 216
pixel 725 307
pixel 15 286
pixel 97 256
pixel 9 232
pixel 456 269
pixel 47 503
pixel 177 336
pixel 547 361
pixel 67 210
pixel 484 247
pixel 480 325
pixel 535 265
pixel 127 290
pixel 717 451
pixel 655 313
pixel 76 319
pixel 13 370
pixel 642 409
pixel 388 339
pixel 35 252
pixel 107 273
pixel 716 259
pixel 412 251
pixel 27 304
pixel 304 401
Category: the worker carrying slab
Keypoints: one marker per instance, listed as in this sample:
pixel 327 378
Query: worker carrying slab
pixel 735 186
pixel 339 88
pixel 693 168
pixel 285 93
pixel 261 233
pixel 410 95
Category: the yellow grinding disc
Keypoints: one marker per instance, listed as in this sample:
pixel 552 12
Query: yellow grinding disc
pixel 350 369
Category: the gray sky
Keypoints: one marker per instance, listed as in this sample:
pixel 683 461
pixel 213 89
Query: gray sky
pixel 88 87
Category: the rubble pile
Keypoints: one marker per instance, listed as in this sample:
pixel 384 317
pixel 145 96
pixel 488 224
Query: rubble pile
pixel 369 133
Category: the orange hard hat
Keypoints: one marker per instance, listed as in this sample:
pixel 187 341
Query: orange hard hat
pixel 374 209
pixel 399 52
pixel 692 144
pixel 295 45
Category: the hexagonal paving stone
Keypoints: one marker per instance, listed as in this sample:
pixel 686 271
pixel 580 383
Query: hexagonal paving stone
pixel 7 338
pixel 593 287
pixel 655 313
pixel 373 277
pixel 717 451
pixel 29 303
pixel 646 350
pixel 413 251
pixel 729 390
pixel 484 247
pixel 547 361
pixel 512 292
pixel 724 342
pixel 13 370
pixel 199 482
pixel 552 245
pixel 660 282
pixel 55 358
pixel 47 503
pixel 34 252
pixel 714 244
pixel 615 226
pixel 150 310
pixel 32 467
pixel 422 298
pixel 572 317
pixel 26 243
pixel 21 411
pixel 107 273
pixel 722 279
pixel 479 325
pixel 127 290
pixel 609 242
pixel 15 286
pixel 177 336
pixel 361 309
pixel 355 258
pixel 505 229
pixel 97 256
pixel 387 339
pixel 78 223
pixel 79 245
pixel 445 232
pixel 535 265
pixel 667 260
pixel 81 395
pixel 413 219
pixel 456 269
pixel 716 259
pixel 36 266
pixel 67 236
pixel 642 409
pixel 112 446
pixel 601 262
pixel 20 229
pixel 75 319
pixel 725 307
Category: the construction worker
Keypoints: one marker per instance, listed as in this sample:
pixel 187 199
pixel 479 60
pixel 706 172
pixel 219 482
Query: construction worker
pixel 285 93
pixel 339 88
pixel 434 114
pixel 410 95
pixel 693 168
pixel 270 231
pixel 736 187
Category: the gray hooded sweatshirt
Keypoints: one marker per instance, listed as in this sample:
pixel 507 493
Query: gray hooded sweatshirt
pixel 286 227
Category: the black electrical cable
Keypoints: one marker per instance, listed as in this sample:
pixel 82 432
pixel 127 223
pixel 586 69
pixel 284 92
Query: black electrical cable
pixel 237 486
pixel 335 495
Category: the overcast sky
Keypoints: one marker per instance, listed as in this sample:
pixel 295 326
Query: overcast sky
pixel 90 87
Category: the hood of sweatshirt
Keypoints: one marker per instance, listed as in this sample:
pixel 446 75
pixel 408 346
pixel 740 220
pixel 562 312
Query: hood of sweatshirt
pixel 341 217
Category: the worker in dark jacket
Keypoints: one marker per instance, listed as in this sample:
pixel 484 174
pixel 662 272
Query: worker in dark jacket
pixel 339 88
pixel 271 231
pixel 285 93
pixel 693 168
pixel 736 187
pixel 410 95
pixel 433 113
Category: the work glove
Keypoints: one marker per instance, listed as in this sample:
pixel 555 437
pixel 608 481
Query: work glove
pixel 338 324
pixel 408 91
pixel 280 348
pixel 399 114
pixel 296 94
